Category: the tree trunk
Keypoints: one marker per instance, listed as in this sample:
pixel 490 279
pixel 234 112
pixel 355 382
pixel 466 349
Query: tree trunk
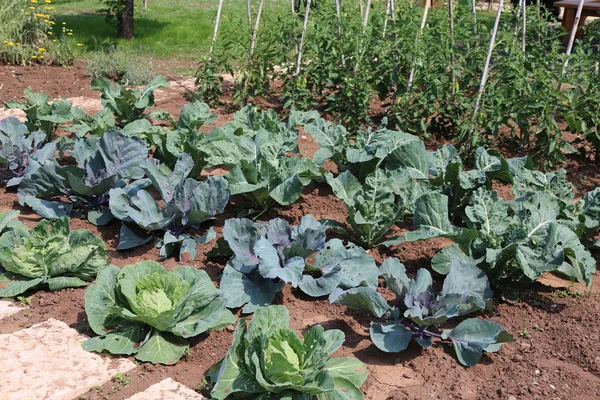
pixel 125 21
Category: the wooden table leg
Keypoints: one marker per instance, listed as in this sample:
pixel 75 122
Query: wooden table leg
pixel 568 21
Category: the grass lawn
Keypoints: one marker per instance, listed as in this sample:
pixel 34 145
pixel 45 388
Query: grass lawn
pixel 167 30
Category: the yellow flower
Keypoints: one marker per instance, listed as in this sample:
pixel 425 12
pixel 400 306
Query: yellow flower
pixel 31 8
pixel 34 57
pixel 64 23
pixel 48 1
pixel 41 50
pixel 79 45
pixel 49 8
pixel 49 33
pixel 10 43
pixel 70 34
pixel 51 22
pixel 5 41
pixel 47 21
pixel 34 1
pixel 41 57
pixel 38 15
pixel 53 40
pixel 27 13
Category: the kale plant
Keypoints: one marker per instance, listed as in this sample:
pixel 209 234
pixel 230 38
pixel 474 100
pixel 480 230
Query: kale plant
pixel 126 104
pixel 466 289
pixel 42 115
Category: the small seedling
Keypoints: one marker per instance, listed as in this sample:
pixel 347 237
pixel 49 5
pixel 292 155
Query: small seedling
pixel 121 378
pixel 525 333
pixel 24 300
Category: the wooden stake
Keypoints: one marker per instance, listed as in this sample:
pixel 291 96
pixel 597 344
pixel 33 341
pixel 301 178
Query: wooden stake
pixel 256 25
pixel 249 16
pixel 411 77
pixel 304 25
pixel 572 37
pixel 145 2
pixel 387 14
pixel 339 24
pixel 362 40
pixel 524 24
pixel 474 10
pixel 452 58
pixel 216 30
pixel 486 70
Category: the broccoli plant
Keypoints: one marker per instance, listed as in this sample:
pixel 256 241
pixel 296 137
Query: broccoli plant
pixel 185 203
pixel 268 360
pixel 466 289
pixel 146 311
pixel 49 254
pixel 102 164
pixel 266 258
pixel 21 152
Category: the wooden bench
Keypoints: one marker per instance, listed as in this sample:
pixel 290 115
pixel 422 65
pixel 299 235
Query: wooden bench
pixel 591 8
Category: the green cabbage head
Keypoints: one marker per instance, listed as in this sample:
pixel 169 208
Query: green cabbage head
pixel 268 360
pixel 146 310
pixel 49 254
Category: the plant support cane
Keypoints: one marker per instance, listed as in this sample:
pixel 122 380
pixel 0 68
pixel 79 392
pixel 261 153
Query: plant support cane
pixel 484 76
pixel 411 77
pixel 339 24
pixel 364 29
pixel 216 30
pixel 304 25
pixel 256 24
pixel 452 58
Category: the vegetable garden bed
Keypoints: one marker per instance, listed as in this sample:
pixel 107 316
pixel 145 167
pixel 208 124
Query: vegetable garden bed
pixel 555 324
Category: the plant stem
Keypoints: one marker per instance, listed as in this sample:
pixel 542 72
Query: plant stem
pixel 411 77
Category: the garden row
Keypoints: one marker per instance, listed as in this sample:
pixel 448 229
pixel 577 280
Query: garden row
pixel 118 164
pixel 452 76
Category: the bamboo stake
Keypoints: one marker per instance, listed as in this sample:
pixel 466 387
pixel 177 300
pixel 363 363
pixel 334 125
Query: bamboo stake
pixel 452 58
pixel 411 77
pixel 362 40
pixel 387 14
pixel 474 10
pixel 216 30
pixel 572 37
pixel 486 69
pixel 524 24
pixel 256 25
pixel 339 24
pixel 304 25
pixel 249 16
pixel 293 8
pixel 360 4
pixel 145 2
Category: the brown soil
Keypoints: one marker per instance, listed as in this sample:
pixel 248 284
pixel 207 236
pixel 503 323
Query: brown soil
pixel 556 354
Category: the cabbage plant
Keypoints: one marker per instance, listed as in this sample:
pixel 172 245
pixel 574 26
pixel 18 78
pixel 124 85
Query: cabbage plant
pixel 50 254
pixel 147 311
pixel 421 312
pixel 268 360
pixel 21 152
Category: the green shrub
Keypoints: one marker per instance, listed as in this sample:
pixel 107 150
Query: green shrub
pixel 118 65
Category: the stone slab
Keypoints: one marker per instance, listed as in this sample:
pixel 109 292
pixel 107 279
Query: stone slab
pixel 46 361
pixel 167 389
pixel 8 308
